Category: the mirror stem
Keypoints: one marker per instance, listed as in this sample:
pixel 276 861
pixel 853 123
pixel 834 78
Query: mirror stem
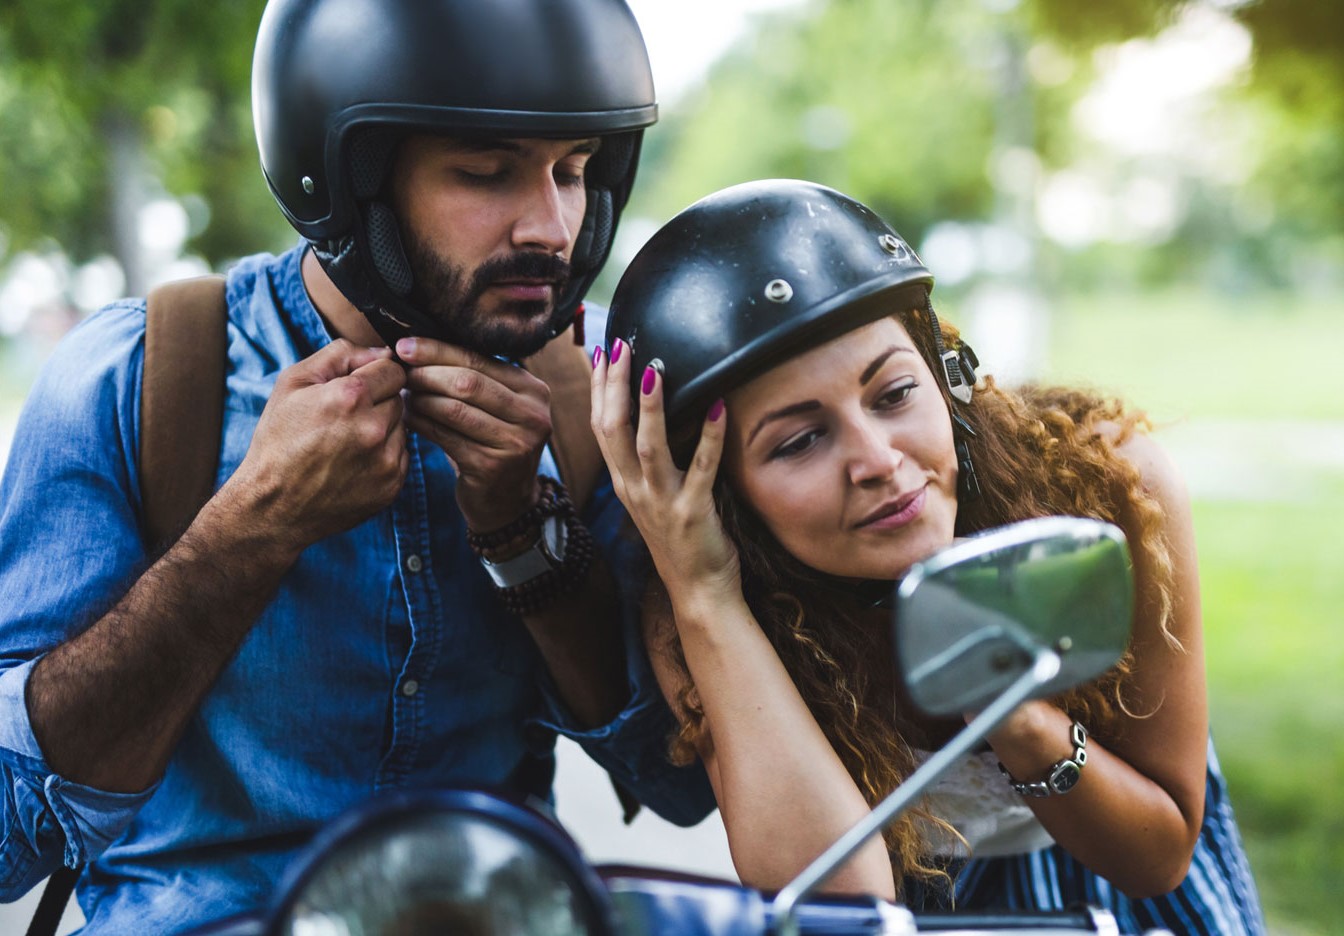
pixel 1043 669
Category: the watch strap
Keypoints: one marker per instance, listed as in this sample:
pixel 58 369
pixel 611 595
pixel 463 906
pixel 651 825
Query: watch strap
pixel 1064 773
pixel 545 555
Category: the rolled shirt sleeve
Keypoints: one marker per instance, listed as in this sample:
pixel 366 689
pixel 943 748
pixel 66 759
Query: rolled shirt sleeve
pixel 69 544
pixel 48 820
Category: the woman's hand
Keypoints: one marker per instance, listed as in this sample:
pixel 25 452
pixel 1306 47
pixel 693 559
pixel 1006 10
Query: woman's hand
pixel 674 510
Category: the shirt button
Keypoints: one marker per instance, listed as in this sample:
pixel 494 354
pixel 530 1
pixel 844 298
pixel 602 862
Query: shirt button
pixel 409 688
pixel 414 563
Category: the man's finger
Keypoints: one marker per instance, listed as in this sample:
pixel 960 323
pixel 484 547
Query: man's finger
pixel 383 378
pixel 480 390
pixel 338 359
pixel 425 352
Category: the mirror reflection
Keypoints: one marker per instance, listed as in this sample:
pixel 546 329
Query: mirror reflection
pixel 969 620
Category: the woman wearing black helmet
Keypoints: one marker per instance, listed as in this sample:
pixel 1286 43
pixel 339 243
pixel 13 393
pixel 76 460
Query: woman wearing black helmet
pixel 842 436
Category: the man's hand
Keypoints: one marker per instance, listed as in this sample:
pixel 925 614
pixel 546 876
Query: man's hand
pixel 492 420
pixel 330 448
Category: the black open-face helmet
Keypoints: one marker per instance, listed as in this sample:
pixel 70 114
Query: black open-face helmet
pixel 337 83
pixel 749 277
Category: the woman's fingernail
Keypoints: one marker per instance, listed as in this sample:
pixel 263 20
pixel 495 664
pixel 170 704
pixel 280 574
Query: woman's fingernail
pixel 650 376
pixel 616 350
pixel 597 356
pixel 406 347
pixel 716 411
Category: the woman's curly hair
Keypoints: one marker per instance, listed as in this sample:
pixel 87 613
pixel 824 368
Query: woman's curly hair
pixel 1037 452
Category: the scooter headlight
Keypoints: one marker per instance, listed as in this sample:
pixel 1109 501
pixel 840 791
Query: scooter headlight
pixel 445 862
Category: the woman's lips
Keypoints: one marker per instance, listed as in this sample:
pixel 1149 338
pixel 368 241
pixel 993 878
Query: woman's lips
pixel 896 512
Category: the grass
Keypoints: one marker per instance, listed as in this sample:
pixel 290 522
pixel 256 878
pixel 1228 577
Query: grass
pixel 1273 594
pixel 1273 597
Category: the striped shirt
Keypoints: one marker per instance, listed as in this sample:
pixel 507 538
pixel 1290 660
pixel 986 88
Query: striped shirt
pixel 1217 897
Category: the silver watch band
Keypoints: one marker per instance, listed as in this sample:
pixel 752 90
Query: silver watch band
pixel 546 554
pixel 1065 773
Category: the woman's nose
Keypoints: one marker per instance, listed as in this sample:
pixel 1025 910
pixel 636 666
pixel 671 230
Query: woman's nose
pixel 872 454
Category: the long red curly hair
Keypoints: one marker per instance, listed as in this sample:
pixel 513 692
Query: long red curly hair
pixel 1038 451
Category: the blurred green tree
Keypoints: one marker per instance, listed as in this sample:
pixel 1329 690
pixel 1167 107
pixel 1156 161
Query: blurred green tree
pixel 904 105
pixel 112 103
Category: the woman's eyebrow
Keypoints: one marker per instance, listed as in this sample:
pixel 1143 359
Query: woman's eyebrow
pixel 871 370
pixel 790 410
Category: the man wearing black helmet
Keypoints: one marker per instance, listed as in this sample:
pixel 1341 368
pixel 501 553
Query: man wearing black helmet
pixel 387 589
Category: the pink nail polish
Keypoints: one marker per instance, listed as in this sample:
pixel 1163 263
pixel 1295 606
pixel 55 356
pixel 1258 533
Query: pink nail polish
pixel 716 411
pixel 616 350
pixel 650 375
pixel 597 356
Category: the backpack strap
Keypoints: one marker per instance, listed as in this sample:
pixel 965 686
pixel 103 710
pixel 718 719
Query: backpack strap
pixel 51 905
pixel 181 403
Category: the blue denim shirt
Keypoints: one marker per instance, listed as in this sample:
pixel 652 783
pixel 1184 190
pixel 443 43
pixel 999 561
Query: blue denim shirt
pixel 384 661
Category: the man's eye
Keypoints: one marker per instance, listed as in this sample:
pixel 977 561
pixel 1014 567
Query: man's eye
pixel 480 176
pixel 569 177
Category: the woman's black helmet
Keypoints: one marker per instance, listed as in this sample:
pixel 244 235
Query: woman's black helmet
pixel 337 83
pixel 749 277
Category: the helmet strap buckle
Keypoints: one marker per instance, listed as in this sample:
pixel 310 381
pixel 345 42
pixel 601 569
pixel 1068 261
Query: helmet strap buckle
pixel 957 383
pixel 968 483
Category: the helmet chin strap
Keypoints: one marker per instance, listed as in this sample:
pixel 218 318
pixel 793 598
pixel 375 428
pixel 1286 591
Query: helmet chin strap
pixel 959 373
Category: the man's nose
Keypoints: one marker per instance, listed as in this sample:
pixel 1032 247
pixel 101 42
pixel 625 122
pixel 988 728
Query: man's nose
pixel 541 223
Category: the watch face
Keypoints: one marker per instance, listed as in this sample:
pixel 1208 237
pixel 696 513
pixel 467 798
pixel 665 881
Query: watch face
pixel 1064 777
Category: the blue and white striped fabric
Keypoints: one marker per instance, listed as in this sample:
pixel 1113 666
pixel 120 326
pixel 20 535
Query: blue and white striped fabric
pixel 1217 897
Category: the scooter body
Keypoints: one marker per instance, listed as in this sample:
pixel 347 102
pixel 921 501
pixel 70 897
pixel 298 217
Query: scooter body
pixel 1022 612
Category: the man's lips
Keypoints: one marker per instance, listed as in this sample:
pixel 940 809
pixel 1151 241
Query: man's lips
pixel 525 288
pixel 896 512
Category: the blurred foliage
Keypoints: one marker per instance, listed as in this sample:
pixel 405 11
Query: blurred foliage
pixel 171 75
pixel 910 105
pixel 1265 465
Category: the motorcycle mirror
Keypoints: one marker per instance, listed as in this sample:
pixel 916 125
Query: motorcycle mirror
pixel 1016 613
pixel 448 861
pixel 969 620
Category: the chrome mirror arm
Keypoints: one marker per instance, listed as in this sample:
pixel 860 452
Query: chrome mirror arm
pixel 1044 667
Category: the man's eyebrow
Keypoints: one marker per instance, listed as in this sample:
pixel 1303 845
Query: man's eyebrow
pixel 487 145
pixel 871 370
pixel 495 145
pixel 790 410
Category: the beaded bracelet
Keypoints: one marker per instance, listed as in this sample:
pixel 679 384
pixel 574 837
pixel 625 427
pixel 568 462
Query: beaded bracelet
pixel 554 500
pixel 538 592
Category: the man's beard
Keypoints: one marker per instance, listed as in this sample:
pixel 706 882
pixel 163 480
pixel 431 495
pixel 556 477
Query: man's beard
pixel 516 329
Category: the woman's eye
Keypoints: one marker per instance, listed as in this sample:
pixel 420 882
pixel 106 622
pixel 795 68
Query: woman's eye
pixel 797 445
pixel 896 395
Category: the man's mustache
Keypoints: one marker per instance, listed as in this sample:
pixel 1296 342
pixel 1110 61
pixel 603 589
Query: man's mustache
pixel 525 265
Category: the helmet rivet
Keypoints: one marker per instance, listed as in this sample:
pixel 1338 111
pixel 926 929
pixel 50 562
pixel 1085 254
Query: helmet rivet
pixel 892 245
pixel 778 290
pixel 308 186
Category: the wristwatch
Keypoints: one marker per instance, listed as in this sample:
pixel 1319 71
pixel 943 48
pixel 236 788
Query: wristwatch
pixel 545 555
pixel 1063 776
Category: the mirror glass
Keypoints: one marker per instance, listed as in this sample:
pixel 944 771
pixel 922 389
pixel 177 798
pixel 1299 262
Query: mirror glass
pixel 438 873
pixel 969 620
